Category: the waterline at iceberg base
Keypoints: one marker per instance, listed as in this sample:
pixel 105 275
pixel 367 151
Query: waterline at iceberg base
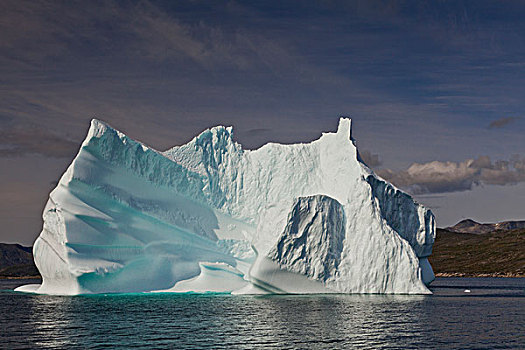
pixel 209 216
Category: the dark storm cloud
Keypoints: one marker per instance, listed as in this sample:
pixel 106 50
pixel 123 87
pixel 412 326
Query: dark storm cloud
pixel 442 177
pixel 212 58
pixel 128 62
pixel 501 122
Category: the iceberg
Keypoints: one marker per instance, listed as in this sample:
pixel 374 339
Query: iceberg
pixel 210 216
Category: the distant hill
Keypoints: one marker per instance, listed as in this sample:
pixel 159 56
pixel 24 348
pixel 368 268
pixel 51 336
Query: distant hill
pixel 496 253
pixel 16 261
pixel 471 226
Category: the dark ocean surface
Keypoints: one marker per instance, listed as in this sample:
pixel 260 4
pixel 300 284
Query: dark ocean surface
pixel 490 316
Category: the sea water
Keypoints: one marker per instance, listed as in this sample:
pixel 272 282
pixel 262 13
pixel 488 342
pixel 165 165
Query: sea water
pixel 463 313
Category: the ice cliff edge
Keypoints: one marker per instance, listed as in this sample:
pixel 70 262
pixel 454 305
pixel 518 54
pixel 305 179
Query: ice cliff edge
pixel 209 216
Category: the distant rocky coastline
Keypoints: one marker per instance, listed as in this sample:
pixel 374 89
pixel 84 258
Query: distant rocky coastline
pixel 471 249
pixel 16 262
pixel 481 275
pixel 471 226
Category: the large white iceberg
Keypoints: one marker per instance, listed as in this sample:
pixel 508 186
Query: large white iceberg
pixel 210 216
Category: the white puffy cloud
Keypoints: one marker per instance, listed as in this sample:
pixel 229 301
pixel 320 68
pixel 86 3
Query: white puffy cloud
pixel 441 177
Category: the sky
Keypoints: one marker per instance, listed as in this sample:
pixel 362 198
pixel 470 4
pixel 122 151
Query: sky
pixel 434 88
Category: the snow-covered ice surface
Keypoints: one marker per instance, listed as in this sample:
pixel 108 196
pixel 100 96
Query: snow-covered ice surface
pixel 210 216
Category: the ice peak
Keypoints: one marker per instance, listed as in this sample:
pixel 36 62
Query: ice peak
pixel 97 122
pixel 223 131
pixel 345 127
pixel 98 128
pixel 218 137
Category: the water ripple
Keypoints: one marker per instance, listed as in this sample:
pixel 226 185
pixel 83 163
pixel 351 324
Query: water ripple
pixel 491 316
